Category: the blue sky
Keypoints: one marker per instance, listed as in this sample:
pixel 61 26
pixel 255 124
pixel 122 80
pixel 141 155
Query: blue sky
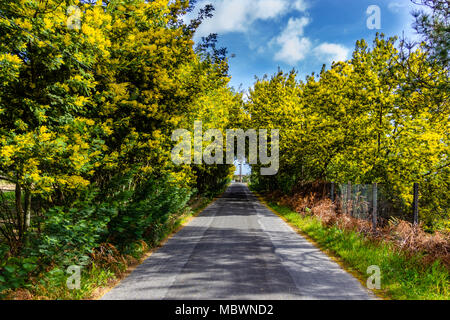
pixel 300 34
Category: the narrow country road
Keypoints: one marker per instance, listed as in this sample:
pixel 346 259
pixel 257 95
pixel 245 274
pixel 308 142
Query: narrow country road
pixel 238 249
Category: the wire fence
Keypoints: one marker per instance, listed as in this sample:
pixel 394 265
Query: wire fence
pixel 371 202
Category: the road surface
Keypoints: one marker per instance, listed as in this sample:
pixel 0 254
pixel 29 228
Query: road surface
pixel 238 249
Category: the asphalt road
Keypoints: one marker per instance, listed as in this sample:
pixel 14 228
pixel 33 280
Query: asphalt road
pixel 238 249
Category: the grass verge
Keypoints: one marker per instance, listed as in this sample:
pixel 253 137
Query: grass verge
pixel 403 276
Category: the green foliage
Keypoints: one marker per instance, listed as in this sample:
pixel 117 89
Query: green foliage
pixel 434 26
pixel 143 217
pixel 15 271
pixel 212 179
pixel 69 235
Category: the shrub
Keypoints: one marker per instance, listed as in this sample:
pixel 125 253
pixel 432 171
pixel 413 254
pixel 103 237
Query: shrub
pixel 69 235
pixel 144 216
pixel 15 271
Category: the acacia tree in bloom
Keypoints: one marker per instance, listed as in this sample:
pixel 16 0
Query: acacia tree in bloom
pixel 374 118
pixel 80 107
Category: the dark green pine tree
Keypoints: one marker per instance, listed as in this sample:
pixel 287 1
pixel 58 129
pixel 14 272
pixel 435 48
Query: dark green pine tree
pixel 433 24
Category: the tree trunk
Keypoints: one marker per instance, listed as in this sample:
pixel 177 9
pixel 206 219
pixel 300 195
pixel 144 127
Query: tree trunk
pixel 27 211
pixel 19 211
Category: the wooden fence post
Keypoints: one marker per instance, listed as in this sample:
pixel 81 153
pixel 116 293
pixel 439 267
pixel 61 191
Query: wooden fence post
pixel 374 206
pixel 332 192
pixel 416 204
pixel 349 198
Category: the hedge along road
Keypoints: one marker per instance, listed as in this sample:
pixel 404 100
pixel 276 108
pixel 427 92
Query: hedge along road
pixel 238 249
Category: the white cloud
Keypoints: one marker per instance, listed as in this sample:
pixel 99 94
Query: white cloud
pixel 397 6
pixel 294 50
pixel 332 52
pixel 291 44
pixel 239 15
pixel 295 27
pixel 301 5
pixel 294 47
pixel 269 9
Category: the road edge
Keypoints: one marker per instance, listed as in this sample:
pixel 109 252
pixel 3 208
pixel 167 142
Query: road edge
pixel 335 258
pixel 100 292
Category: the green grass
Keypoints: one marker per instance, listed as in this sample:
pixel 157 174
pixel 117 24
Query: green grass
pixel 402 277
pixel 53 285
